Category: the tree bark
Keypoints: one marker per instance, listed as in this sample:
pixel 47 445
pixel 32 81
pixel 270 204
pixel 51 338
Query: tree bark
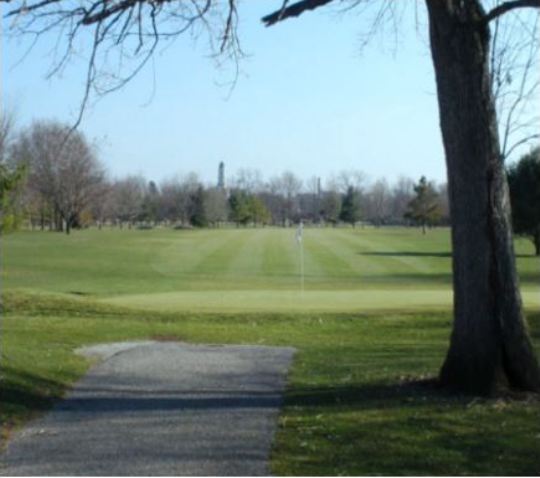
pixel 490 345
pixel 536 241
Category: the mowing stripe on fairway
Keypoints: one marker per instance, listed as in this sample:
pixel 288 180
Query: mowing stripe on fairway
pixel 360 242
pixel 248 260
pixel 324 254
pixel 186 253
pixel 219 261
pixel 280 254
pixel 392 251
pixel 346 246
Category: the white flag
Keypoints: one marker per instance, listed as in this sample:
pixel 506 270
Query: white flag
pixel 299 232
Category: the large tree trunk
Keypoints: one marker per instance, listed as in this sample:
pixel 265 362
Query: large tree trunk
pixel 489 345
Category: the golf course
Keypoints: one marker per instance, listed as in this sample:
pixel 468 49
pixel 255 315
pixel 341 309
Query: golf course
pixel 368 310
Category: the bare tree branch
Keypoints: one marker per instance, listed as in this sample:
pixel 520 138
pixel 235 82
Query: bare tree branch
pixel 125 34
pixel 508 6
pixel 515 84
pixel 293 10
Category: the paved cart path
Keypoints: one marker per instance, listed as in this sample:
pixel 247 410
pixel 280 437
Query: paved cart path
pixel 160 408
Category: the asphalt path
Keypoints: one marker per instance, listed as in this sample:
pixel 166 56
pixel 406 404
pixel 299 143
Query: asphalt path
pixel 160 408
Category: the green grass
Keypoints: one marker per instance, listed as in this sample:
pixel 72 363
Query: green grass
pixel 375 314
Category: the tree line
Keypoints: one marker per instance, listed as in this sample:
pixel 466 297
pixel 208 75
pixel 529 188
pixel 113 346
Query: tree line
pixel 53 180
pixel 63 185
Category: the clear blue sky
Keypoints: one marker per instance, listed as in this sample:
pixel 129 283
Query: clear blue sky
pixel 307 101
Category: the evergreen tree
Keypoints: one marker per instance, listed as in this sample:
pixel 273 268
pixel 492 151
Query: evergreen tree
pixel 150 205
pixel 524 183
pixel 239 206
pixel 424 208
pixel 350 208
pixel 258 212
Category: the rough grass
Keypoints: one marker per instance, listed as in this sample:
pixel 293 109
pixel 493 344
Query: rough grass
pixel 350 406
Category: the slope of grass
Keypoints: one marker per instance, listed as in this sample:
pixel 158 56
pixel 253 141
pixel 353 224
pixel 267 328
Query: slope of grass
pixel 349 409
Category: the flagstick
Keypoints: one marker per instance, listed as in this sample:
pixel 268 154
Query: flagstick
pixel 300 242
pixel 302 268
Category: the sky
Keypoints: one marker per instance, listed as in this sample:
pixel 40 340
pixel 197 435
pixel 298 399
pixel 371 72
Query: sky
pixel 308 100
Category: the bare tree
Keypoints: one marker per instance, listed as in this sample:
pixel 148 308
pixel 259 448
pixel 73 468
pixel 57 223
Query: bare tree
pixel 171 197
pixel 247 179
pixel 215 205
pixel 274 201
pixel 7 123
pixel 310 200
pixel 288 185
pixel 351 178
pixel 63 170
pixel 378 202
pixel 444 205
pixel 102 206
pixel 402 193
pixel 190 186
pixel 128 196
pixel 514 64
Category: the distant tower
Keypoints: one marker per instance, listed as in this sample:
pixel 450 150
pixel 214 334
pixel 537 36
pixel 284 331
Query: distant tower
pixel 221 176
pixel 319 190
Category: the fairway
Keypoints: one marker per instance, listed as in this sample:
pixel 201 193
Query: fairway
pixel 235 270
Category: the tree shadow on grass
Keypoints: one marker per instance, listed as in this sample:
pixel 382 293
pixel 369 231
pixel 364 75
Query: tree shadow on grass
pixel 405 393
pixel 27 391
pixel 405 254
pixel 43 393
pixel 443 254
pixel 410 393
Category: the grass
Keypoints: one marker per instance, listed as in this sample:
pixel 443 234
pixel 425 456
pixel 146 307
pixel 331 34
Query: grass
pixel 350 407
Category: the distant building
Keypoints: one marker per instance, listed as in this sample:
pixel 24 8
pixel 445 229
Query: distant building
pixel 221 176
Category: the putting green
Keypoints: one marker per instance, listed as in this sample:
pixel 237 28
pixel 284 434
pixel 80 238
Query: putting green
pixel 309 301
